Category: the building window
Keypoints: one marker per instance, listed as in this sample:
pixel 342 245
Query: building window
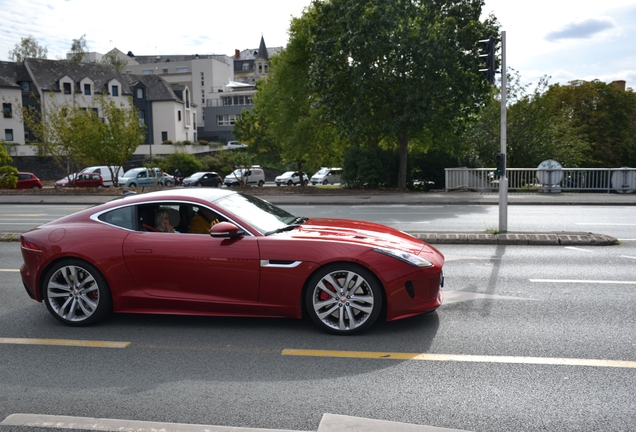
pixel 87 89
pixel 67 88
pixel 115 91
pixel 8 135
pixel 164 70
pixel 246 66
pixel 164 136
pixel 226 120
pixel 182 69
pixel 140 93
pixel 6 110
pixel 179 115
pixel 148 71
pixel 260 68
pixel 142 118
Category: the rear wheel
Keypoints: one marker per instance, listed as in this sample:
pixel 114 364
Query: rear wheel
pixel 343 298
pixel 168 183
pixel 261 183
pixel 36 187
pixel 76 293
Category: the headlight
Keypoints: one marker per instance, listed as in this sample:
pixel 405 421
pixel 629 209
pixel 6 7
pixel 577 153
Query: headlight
pixel 407 257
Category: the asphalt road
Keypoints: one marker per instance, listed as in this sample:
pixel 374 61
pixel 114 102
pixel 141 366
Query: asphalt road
pixel 505 305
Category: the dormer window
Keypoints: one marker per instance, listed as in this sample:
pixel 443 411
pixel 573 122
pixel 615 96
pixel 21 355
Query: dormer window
pixel 87 89
pixel 114 90
pixel 67 88
pixel 140 93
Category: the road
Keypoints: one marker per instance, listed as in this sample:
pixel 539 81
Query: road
pixel 512 319
pixel 547 302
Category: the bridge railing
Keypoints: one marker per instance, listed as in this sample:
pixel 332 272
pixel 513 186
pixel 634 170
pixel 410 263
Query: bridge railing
pixel 542 180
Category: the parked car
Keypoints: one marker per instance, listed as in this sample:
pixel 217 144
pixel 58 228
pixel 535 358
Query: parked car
pixel 145 177
pixel 235 144
pixel 105 172
pixel 344 274
pixel 204 179
pixel 81 180
pixel 253 176
pixel 291 178
pixel 27 180
pixel 327 176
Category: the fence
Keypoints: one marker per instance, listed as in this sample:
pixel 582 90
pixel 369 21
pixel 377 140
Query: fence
pixel 544 180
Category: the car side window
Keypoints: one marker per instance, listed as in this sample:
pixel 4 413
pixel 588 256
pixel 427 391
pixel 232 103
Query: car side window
pixel 121 217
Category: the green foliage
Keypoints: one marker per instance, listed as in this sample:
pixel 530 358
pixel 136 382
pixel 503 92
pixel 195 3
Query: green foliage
pixel 27 48
pixel 394 68
pixel 5 158
pixel 8 177
pixel 186 163
pixel 369 167
pixel 284 129
pixel 79 48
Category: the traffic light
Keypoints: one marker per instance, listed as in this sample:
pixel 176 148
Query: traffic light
pixel 501 165
pixel 487 48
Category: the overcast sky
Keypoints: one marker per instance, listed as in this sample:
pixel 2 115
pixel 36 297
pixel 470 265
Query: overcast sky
pixel 564 39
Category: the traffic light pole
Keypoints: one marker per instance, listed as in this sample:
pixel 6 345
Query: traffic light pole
pixel 503 180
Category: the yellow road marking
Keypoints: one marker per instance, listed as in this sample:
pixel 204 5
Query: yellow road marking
pixel 64 342
pixel 462 358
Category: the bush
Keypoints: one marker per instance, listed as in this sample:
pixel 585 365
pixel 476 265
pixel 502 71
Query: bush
pixel 8 177
pixel 370 167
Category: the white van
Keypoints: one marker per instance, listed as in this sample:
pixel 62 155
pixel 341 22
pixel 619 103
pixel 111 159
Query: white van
pixel 327 176
pixel 253 176
pixel 105 173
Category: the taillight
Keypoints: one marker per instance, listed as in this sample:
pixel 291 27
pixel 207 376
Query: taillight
pixel 27 244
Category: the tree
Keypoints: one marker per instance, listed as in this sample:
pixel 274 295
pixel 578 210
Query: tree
pixel 76 136
pixel 8 173
pixel 283 116
pixel 27 48
pixel 79 48
pixel 397 68
pixel 604 114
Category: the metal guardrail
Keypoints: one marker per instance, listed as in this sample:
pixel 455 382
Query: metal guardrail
pixel 544 180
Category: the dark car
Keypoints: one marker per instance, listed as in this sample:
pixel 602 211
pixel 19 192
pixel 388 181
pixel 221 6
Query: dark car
pixel 28 180
pixel 203 179
pixel 258 260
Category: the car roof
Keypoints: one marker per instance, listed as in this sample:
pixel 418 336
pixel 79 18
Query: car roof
pixel 206 194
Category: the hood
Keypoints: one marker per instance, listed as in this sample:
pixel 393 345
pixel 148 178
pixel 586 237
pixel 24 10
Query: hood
pixel 362 233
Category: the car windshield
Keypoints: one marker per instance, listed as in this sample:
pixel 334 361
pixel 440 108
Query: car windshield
pixel 239 172
pixel 131 174
pixel 263 216
pixel 323 171
pixel 197 175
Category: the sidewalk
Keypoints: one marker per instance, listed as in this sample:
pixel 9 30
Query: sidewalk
pixel 431 198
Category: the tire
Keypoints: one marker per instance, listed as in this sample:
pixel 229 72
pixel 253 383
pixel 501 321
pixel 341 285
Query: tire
pixel 290 183
pixel 76 293
pixel 305 182
pixel 325 182
pixel 198 185
pixel 100 186
pixel 35 187
pixel 339 310
pixel 261 183
pixel 132 185
pixel 168 183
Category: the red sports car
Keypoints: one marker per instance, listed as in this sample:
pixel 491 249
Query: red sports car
pixel 139 254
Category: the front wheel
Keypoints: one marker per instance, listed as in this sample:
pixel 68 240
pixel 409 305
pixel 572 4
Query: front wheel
pixel 132 185
pixel 76 293
pixel 343 298
pixel 168 183
pixel 325 182
pixel 290 183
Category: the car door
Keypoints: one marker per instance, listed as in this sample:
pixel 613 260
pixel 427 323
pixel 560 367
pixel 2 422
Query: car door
pixel 194 266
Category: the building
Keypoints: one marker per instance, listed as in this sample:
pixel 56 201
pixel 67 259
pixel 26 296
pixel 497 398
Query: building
pixel 226 104
pixel 201 74
pixel 14 83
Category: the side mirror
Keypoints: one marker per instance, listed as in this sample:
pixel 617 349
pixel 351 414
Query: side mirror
pixel 226 230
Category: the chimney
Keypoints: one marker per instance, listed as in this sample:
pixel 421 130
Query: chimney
pixel 620 84
pixel 237 54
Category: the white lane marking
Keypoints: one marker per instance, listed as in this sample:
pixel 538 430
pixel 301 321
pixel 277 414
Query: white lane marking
pixel 630 257
pixel 451 297
pixel 583 281
pixel 9 270
pixel 577 249
pixel 605 223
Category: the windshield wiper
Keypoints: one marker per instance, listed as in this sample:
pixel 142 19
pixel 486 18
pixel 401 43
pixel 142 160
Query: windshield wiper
pixel 294 224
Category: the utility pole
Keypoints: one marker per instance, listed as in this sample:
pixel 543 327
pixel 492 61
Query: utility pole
pixel 503 180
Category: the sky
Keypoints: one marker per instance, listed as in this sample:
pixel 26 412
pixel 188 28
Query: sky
pixel 563 40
